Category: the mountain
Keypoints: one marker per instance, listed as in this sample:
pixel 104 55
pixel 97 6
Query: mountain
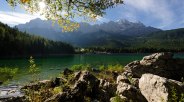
pixel 110 34
pixel 16 43
pixel 177 34
pixel 169 40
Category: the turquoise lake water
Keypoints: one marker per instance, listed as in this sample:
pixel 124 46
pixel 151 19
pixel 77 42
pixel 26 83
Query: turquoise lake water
pixel 52 66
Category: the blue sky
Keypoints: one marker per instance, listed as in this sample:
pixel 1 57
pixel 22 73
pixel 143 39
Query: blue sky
pixel 163 14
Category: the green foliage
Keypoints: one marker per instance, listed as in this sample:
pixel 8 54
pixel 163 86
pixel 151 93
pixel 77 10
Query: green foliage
pixel 118 99
pixel 116 67
pixel 39 95
pixel 33 68
pixel 175 96
pixel 57 90
pixel 77 67
pixel 7 73
pixel 102 67
pixel 111 68
pixel 16 43
pixel 182 98
pixel 81 67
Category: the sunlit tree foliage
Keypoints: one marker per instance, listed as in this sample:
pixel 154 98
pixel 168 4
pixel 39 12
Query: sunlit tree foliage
pixel 64 11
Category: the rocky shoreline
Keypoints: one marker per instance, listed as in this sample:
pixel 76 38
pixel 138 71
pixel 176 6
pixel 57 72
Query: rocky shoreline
pixel 155 78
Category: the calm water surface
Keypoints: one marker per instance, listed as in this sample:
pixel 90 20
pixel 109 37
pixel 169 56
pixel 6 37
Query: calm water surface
pixel 52 66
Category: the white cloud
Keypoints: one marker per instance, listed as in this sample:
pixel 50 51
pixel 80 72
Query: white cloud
pixel 15 18
pixel 102 19
pixel 158 9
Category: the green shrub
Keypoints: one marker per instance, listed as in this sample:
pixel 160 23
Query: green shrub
pixel 33 70
pixel 7 73
pixel 32 67
pixel 175 97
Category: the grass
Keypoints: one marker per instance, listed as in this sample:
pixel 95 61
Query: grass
pixel 110 67
pixel 81 67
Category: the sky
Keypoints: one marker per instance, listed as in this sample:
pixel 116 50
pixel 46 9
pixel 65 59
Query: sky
pixel 163 14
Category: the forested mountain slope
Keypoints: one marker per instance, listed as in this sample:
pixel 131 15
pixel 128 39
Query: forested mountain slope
pixel 16 43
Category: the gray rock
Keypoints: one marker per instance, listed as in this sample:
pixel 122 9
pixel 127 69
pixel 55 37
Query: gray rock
pixel 162 64
pixel 135 82
pixel 159 89
pixel 166 55
pixel 38 85
pixel 75 94
pixel 14 99
pixel 122 78
pixel 130 93
pixel 107 88
pixel 85 85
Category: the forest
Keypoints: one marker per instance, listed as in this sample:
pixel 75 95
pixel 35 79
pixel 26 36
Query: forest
pixel 14 43
pixel 162 41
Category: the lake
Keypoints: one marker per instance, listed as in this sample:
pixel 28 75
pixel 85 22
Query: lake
pixel 53 65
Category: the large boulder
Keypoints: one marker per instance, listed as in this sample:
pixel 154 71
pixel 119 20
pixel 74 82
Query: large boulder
pixel 74 95
pixel 106 90
pixel 85 85
pixel 159 89
pixel 162 64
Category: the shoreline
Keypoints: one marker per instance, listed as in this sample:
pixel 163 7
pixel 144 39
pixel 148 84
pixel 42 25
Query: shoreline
pixel 132 82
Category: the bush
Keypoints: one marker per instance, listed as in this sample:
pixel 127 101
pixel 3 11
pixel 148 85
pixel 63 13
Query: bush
pixel 32 67
pixel 7 73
